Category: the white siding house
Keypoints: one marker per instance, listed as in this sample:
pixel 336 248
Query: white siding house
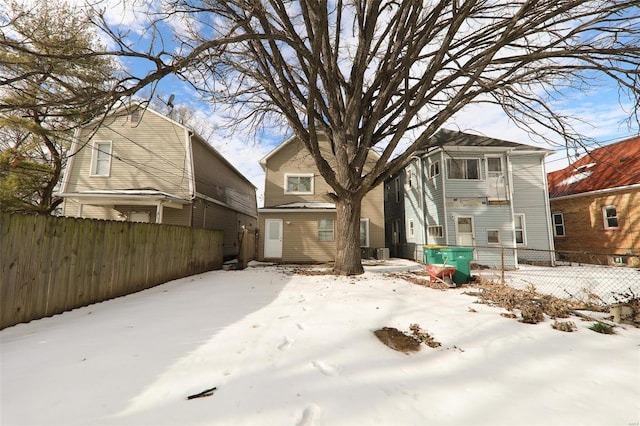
pixel 469 190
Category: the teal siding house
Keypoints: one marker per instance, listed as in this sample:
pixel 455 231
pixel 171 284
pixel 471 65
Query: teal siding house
pixel 476 191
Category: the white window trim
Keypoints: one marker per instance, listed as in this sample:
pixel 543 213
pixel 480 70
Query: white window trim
pixel 333 230
pixel 604 218
pixel 554 224
pixel 286 183
pixel 431 167
pixel 499 237
pixel 437 235
pixel 480 177
pixel 524 227
pixel 94 158
pixel 411 230
pixel 409 178
pixel 366 220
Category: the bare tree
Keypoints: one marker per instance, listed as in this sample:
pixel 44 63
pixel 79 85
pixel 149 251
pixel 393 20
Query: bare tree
pixel 43 96
pixel 376 74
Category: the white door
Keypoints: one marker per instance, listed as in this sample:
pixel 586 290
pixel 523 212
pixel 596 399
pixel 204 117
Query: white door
pixel 496 188
pixel 464 231
pixel 273 238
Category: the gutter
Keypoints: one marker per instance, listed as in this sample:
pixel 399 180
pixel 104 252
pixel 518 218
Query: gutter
pixel 552 246
pixel 596 192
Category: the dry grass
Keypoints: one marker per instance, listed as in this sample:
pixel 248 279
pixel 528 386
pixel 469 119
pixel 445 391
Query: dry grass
pixel 531 304
pixel 420 278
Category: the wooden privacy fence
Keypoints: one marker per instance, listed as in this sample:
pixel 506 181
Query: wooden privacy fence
pixel 247 251
pixel 50 265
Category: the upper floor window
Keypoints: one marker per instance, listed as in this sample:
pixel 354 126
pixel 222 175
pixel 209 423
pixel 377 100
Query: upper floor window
pixel 409 182
pixel 610 217
pixel 135 117
pixel 434 169
pixel 101 159
pixel 463 168
pixel 558 225
pixel 397 181
pixel 298 183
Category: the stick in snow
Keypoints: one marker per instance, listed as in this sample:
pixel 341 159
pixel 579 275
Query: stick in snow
pixel 206 392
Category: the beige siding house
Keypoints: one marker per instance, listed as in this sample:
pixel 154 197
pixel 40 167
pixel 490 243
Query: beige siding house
pixel 297 223
pixel 139 165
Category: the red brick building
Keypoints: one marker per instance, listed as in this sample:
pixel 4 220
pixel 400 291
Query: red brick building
pixel 595 206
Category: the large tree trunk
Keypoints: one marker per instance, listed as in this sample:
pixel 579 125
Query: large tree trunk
pixel 348 260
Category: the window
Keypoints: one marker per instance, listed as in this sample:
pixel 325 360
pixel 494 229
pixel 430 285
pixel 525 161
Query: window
pixel 397 190
pixel 435 231
pixel 325 230
pixel 395 232
pixel 101 159
pixel 135 117
pixel 364 232
pixel 519 226
pixel 610 216
pixel 411 233
pixel 409 179
pixel 434 169
pixel 298 184
pixel 558 225
pixel 463 168
pixel 493 236
pixel 494 165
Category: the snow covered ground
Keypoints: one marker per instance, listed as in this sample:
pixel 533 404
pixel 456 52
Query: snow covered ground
pixel 288 349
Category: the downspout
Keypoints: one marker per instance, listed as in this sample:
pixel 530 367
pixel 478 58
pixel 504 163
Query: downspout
pixel 190 172
pixel 422 203
pixel 423 191
pixel 545 190
pixel 513 216
pixel 444 198
pixel 159 210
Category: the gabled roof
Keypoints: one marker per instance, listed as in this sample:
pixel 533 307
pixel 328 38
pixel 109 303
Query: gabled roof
pixel 263 161
pixel 444 138
pixel 611 166
pixel 135 105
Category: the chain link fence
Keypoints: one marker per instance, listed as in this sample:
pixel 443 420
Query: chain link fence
pixel 598 279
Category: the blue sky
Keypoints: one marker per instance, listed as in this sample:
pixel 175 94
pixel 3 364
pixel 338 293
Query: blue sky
pixel 602 118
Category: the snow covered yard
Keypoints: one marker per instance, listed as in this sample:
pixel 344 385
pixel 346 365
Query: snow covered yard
pixel 290 349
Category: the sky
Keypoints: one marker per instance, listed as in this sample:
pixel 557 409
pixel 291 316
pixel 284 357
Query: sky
pixel 283 348
pixel 601 113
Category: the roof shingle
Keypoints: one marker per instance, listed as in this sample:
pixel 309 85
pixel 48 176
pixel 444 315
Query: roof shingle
pixel 607 167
